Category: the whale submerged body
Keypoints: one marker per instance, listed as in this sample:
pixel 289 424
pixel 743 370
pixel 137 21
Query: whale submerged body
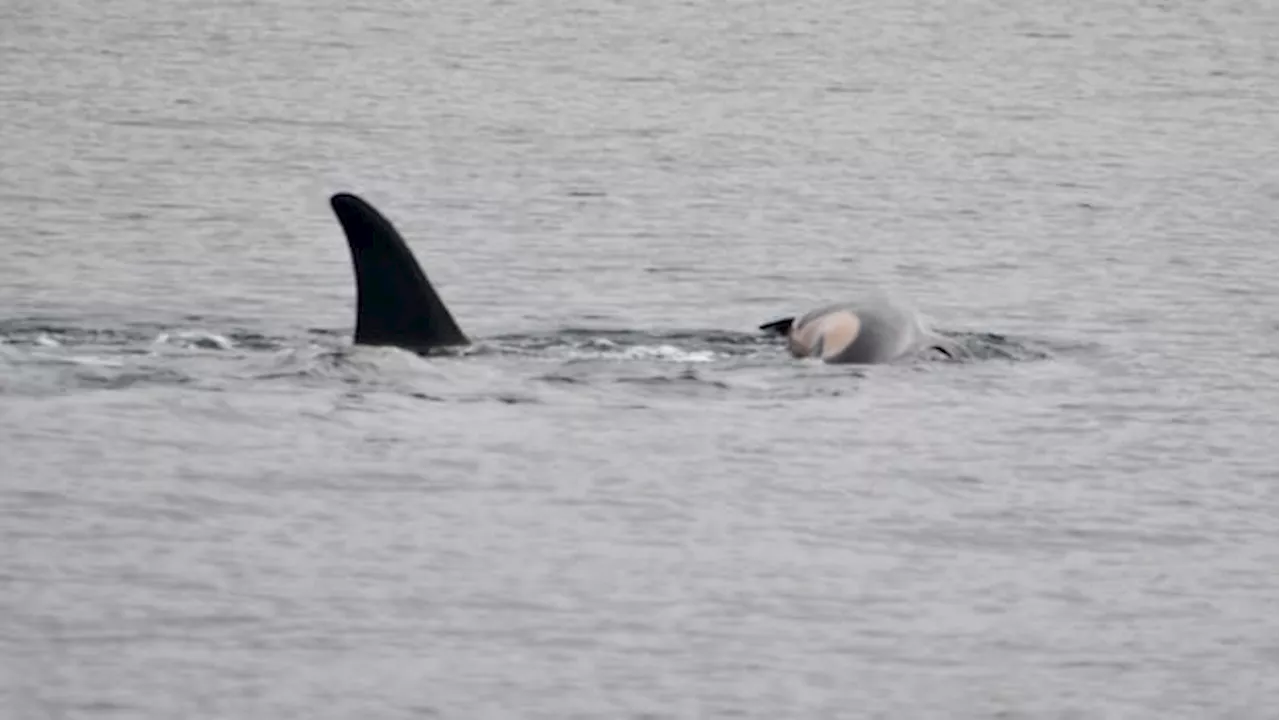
pixel 870 330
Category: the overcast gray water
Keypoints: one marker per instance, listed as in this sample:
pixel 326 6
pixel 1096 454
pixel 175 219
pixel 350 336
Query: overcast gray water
pixel 624 501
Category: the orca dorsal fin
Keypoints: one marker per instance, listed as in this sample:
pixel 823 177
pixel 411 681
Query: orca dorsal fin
pixel 781 326
pixel 395 304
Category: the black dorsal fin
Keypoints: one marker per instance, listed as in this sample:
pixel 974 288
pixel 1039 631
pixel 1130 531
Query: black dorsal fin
pixel 395 304
pixel 781 326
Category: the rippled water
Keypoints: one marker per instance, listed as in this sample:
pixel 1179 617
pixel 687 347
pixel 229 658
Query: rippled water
pixel 624 501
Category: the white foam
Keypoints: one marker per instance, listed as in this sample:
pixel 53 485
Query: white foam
pixel 671 352
pixel 89 360
pixel 666 353
pixel 195 338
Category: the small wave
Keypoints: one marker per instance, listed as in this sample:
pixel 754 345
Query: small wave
pixel 91 373
pixel 130 377
pixel 200 339
pixel 994 346
pixel 308 362
pixel 351 365
pixel 662 353
pixel 136 338
pixel 41 332
pixel 686 378
pixel 82 360
pixel 579 344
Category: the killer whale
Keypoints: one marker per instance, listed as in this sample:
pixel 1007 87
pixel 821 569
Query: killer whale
pixel 397 306
pixel 868 331
pixel 395 303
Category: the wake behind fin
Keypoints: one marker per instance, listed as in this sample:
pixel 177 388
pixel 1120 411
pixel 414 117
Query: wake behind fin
pixel 780 327
pixel 395 304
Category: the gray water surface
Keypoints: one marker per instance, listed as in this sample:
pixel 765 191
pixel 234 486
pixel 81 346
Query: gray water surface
pixel 625 502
